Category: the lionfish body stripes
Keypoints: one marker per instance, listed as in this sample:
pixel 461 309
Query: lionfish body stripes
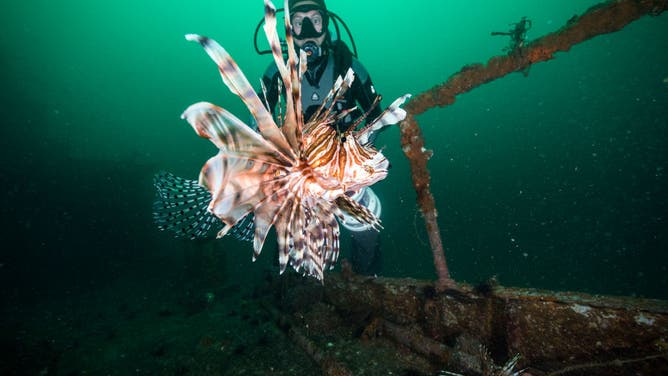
pixel 297 177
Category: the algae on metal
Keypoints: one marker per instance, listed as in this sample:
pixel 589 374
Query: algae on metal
pixel 449 327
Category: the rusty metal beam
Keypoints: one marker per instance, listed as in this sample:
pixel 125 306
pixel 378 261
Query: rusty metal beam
pixel 603 18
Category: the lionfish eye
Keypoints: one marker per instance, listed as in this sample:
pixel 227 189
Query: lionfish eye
pixel 343 139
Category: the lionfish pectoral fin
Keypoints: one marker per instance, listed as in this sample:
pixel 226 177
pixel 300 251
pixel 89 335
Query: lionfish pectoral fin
pixel 230 134
pixel 323 240
pixel 181 207
pixel 224 231
pixel 392 115
pixel 284 234
pixel 358 211
pixel 261 231
pixel 265 215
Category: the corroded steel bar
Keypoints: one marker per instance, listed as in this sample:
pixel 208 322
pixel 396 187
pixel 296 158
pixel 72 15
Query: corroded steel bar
pixel 600 19
pixel 413 146
pixel 603 18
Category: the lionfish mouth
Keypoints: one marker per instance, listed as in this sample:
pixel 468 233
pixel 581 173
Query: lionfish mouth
pixel 291 175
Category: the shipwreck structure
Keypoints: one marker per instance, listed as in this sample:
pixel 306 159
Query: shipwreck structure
pixel 442 327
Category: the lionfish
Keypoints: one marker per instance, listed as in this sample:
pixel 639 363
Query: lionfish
pixel 294 174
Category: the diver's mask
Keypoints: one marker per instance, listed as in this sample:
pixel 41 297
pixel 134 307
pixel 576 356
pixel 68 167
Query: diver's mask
pixel 308 30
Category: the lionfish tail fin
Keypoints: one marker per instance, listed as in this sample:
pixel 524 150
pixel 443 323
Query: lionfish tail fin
pixel 181 207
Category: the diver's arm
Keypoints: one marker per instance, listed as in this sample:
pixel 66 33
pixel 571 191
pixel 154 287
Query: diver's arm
pixel 364 91
pixel 365 94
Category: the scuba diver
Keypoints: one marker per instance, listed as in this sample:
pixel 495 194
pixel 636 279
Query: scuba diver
pixel 181 205
pixel 326 60
pixel 518 35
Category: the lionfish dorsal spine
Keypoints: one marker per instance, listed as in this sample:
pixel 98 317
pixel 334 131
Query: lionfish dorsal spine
pixel 292 123
pixel 340 88
pixel 359 121
pixel 236 81
pixel 392 115
pixel 326 103
pixel 295 79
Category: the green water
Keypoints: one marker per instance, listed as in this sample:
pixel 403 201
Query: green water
pixel 555 180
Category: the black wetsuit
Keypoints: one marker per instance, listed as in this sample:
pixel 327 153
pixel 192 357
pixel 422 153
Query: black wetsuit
pixel 319 79
pixel 317 82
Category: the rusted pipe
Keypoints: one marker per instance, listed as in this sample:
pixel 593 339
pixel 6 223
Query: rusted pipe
pixel 603 18
pixel 412 144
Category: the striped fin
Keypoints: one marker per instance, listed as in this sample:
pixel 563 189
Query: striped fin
pixel 283 235
pixel 266 214
pixel 239 85
pixel 330 234
pixel 240 176
pixel 322 234
pixel 230 134
pixel 312 263
pixel 294 125
pixel 341 86
pixel 237 185
pixel 392 115
pixel 274 41
pixel 359 211
pixel 289 222
pixel 297 244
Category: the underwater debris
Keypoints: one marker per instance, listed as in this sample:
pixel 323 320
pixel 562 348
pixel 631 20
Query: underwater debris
pixel 473 357
pixel 368 325
pixel 329 365
pixel 539 325
pixel 517 34
pixel 418 157
pixel 604 18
